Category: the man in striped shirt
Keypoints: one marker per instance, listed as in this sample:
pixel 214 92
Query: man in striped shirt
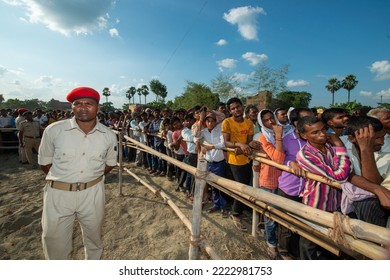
pixel 324 155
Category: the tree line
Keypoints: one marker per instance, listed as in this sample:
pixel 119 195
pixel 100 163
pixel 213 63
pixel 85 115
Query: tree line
pixel 273 81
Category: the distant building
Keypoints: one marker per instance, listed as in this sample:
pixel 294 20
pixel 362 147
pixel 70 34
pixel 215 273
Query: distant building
pixel 259 100
pixel 58 105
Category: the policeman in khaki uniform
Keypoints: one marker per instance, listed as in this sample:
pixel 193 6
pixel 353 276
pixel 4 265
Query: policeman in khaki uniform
pixel 30 137
pixel 75 154
pixel 19 119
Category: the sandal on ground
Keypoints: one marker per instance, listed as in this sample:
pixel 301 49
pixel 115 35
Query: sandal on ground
pixel 225 214
pixel 272 253
pixel 238 224
pixel 212 210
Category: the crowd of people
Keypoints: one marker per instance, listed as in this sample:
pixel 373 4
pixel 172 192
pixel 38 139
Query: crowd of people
pixel 350 148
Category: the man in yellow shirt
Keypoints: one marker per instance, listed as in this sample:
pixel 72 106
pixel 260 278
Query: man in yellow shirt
pixel 238 133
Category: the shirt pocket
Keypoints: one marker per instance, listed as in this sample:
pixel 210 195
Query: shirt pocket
pixel 99 155
pixel 65 156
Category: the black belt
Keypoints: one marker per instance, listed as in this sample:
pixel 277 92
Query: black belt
pixel 32 137
pixel 215 162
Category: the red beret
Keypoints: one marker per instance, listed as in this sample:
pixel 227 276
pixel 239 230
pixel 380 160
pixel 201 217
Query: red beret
pixel 22 110
pixel 83 92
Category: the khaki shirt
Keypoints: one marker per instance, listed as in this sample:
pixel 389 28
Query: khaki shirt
pixel 30 129
pixel 74 155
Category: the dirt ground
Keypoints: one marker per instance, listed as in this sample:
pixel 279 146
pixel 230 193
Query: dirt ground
pixel 138 225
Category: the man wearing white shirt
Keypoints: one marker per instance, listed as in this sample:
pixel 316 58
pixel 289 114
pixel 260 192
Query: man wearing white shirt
pixel 192 157
pixel 213 153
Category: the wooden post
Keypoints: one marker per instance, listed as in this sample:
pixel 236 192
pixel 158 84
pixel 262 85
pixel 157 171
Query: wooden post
pixel 120 158
pixel 200 184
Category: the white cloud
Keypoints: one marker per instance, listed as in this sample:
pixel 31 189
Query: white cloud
pixel 114 32
pixel 67 17
pixel 221 42
pixel 3 70
pixel 240 77
pixel 298 83
pixel 16 82
pixel 365 93
pixel 254 58
pixel 227 63
pixel 384 93
pixel 246 20
pixel 381 69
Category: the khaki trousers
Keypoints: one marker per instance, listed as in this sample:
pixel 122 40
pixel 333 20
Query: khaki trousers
pixel 22 153
pixel 29 144
pixel 60 209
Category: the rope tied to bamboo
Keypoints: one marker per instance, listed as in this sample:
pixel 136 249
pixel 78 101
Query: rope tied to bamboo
pixel 201 174
pixel 337 234
pixel 195 241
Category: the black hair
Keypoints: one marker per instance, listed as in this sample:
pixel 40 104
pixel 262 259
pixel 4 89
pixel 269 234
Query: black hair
pixel 279 109
pixel 166 121
pixel 249 107
pixel 189 116
pixel 265 111
pixel 233 100
pixel 357 122
pixel 330 113
pixel 307 120
pixel 295 114
pixel 175 119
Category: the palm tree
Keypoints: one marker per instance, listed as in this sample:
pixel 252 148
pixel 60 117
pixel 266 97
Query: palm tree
pixel 333 86
pixel 130 93
pixel 145 91
pixel 349 83
pixel 106 93
pixel 139 91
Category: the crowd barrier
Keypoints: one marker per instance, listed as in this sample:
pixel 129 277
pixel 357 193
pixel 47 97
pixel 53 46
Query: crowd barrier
pixel 333 231
pixel 8 145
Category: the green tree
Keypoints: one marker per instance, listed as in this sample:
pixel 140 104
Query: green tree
pixel 30 104
pixel 196 94
pixel 107 107
pixel 144 91
pixel 268 79
pixel 1 98
pixel 159 89
pixel 130 93
pixel 106 93
pixel 353 105
pixel 294 99
pixel 349 83
pixel 139 91
pixel 333 86
pixel 225 87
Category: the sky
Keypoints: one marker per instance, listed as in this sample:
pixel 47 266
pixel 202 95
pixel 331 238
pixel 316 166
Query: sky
pixel 50 47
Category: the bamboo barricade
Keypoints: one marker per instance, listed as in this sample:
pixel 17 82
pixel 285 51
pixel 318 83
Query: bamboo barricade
pixel 361 230
pixel 15 143
pixel 201 242
pixel 261 157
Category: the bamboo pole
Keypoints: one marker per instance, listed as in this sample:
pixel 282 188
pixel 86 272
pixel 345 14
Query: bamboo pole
pixel 358 228
pixel 263 158
pixel 120 158
pixel 283 219
pixel 203 243
pixel 255 215
pixel 200 184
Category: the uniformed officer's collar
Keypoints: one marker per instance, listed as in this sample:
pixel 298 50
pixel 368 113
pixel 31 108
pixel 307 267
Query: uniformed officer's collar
pixel 74 125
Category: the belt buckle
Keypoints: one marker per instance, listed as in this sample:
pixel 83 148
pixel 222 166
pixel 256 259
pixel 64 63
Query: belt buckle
pixel 78 186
